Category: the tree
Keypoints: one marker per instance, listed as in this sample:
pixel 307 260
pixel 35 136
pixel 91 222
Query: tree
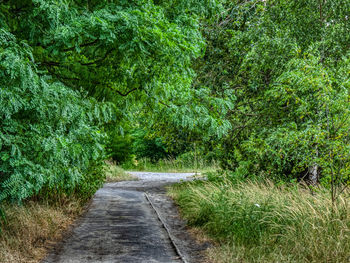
pixel 282 64
pixel 50 135
pixel 62 60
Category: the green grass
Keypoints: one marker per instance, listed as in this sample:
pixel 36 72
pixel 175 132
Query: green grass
pixel 260 222
pixel 115 173
pixel 172 165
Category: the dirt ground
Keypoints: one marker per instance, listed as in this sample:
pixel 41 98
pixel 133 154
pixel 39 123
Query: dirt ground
pixel 121 226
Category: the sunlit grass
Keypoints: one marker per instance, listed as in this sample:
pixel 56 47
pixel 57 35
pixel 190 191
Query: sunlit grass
pixel 115 173
pixel 173 166
pixel 260 222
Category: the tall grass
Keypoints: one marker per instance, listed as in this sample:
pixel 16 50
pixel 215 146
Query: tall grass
pixel 260 222
pixel 115 173
pixel 172 165
pixel 31 229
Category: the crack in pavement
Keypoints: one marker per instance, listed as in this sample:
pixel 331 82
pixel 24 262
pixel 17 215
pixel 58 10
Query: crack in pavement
pixel 121 226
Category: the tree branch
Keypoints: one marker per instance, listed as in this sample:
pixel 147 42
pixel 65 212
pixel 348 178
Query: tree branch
pixel 82 45
pixel 98 60
pixel 125 94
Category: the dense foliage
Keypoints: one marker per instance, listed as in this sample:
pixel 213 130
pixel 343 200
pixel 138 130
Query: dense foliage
pixel 261 85
pixel 49 135
pixel 285 66
pixel 61 61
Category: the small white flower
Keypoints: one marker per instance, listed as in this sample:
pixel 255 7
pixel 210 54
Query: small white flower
pixel 257 205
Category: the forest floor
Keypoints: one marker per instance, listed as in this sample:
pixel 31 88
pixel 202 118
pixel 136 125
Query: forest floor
pixel 121 225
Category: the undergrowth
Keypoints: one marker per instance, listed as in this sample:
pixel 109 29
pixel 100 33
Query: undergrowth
pixel 262 222
pixel 172 165
pixel 29 230
pixel 33 228
pixel 115 173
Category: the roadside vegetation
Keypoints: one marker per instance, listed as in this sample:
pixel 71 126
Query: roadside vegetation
pixel 34 227
pixel 257 89
pixel 264 222
pixel 72 75
pixel 115 173
pixel 178 165
pixel 29 230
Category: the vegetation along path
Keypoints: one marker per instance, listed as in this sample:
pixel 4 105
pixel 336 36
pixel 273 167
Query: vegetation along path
pixel 131 221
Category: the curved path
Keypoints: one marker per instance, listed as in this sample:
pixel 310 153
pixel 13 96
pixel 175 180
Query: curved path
pixel 121 226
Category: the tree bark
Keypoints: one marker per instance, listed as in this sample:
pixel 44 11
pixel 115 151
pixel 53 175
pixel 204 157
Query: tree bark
pixel 314 174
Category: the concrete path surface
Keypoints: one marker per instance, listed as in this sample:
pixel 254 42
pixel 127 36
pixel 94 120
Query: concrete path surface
pixel 121 226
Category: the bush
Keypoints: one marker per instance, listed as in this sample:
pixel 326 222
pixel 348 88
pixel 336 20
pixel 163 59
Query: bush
pixel 148 147
pixel 119 146
pixel 285 68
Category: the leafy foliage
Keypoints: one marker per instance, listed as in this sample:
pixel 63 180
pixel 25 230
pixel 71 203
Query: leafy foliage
pixel 148 147
pixel 61 61
pixel 284 66
pixel 269 96
pixel 49 134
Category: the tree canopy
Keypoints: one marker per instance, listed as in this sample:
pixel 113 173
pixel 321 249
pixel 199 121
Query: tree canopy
pixel 285 66
pixel 69 68
pixel 262 84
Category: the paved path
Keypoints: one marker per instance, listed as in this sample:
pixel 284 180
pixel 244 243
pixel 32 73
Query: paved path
pixel 121 226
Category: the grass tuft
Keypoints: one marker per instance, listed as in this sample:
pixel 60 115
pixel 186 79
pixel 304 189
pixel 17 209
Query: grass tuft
pixel 260 222
pixel 115 173
pixel 31 229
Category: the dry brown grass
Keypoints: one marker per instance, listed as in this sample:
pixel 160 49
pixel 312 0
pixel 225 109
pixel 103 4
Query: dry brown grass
pixel 32 229
pixel 200 235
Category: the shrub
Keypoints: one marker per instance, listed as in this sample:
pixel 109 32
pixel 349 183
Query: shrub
pixel 148 147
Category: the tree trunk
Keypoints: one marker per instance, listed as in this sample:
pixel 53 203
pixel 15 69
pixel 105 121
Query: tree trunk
pixel 314 174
